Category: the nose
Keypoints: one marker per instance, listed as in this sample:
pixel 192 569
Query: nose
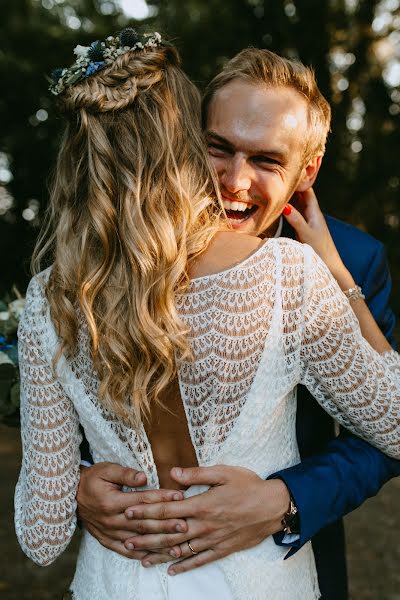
pixel 235 176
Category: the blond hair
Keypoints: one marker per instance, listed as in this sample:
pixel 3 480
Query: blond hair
pixel 264 67
pixel 132 203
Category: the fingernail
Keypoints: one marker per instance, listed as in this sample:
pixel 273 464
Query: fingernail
pixel 129 514
pixel 171 572
pixel 173 553
pixel 146 564
pixel 130 546
pixel 138 476
pixel 176 497
pixel 287 210
pixel 179 528
pixel 178 472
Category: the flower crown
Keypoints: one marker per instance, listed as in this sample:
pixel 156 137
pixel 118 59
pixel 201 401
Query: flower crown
pixel 101 54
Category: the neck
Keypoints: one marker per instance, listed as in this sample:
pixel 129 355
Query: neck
pixel 271 230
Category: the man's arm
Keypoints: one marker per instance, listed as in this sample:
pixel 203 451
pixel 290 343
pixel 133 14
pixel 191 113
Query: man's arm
pixel 327 486
pixel 331 484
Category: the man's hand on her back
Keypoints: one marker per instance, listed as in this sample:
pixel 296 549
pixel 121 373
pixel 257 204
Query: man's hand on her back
pixel 238 512
pixel 101 505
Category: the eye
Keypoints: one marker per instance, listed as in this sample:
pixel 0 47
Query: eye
pixel 217 149
pixel 264 160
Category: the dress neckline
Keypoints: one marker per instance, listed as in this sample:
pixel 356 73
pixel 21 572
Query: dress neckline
pixel 233 267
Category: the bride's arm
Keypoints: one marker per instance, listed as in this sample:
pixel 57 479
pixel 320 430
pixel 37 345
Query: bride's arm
pixel 311 228
pixel 45 506
pixel 353 382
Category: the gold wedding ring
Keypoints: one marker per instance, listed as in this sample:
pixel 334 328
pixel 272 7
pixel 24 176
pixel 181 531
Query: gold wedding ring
pixel 191 549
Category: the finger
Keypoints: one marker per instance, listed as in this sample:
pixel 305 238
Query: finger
pixel 156 557
pixel 162 558
pixel 156 496
pixel 309 196
pixel 119 475
pixel 155 541
pixel 216 475
pixel 164 510
pixel 115 545
pixel 150 526
pixel 298 222
pixel 180 551
pixel 117 502
pixel 312 213
pixel 193 562
pixel 170 540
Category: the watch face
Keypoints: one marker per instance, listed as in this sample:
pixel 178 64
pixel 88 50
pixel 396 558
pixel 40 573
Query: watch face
pixel 291 520
pixel 293 523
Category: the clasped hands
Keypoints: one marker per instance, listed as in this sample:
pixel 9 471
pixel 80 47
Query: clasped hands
pixel 238 511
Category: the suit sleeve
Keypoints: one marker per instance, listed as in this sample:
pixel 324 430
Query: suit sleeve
pixel 377 286
pixel 331 484
pixel 327 486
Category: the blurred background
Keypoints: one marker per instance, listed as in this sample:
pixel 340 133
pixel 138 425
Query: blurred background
pixel 354 47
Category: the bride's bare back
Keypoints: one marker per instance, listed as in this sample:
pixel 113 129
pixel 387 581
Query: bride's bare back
pixel 167 429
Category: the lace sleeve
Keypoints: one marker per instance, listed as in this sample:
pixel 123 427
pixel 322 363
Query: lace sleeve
pixel 357 386
pixel 45 504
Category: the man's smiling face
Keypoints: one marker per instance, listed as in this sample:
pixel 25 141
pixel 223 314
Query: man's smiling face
pixel 256 137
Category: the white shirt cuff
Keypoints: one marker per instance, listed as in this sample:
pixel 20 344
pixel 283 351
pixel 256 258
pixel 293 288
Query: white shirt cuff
pixel 289 538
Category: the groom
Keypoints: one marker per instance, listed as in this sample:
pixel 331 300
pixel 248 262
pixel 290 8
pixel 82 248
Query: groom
pixel 266 125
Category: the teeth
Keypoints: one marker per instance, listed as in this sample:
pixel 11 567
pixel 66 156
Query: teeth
pixel 238 206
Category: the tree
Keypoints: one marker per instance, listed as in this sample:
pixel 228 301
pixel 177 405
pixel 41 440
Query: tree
pixel 350 43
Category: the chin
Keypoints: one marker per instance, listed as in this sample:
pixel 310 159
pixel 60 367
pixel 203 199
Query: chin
pixel 244 227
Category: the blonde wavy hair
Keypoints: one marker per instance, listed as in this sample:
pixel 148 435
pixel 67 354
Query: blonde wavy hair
pixel 133 202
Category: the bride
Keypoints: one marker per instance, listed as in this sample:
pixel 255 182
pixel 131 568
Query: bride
pixel 155 322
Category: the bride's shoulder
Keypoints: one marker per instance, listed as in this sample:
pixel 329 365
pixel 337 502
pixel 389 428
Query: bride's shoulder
pixel 38 283
pixel 291 250
pixel 227 249
pixel 36 299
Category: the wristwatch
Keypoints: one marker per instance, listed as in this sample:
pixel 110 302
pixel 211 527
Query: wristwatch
pixel 290 521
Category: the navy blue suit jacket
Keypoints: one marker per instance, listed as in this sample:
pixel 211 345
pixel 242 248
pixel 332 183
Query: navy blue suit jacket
pixel 337 475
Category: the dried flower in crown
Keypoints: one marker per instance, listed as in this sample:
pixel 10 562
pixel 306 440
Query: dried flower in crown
pixel 100 54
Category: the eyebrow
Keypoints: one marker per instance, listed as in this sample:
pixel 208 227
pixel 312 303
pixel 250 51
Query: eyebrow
pixel 224 142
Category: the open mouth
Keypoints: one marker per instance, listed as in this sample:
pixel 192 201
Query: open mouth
pixel 239 211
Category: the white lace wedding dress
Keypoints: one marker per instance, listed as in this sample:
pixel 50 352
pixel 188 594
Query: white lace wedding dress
pixel 257 330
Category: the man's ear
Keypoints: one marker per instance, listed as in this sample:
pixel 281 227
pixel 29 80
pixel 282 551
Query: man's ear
pixel 309 174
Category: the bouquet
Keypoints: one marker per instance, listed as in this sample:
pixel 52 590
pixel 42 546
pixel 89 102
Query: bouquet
pixel 10 314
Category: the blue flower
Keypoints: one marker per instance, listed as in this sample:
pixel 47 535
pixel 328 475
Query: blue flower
pixel 93 67
pixel 56 74
pixel 3 343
